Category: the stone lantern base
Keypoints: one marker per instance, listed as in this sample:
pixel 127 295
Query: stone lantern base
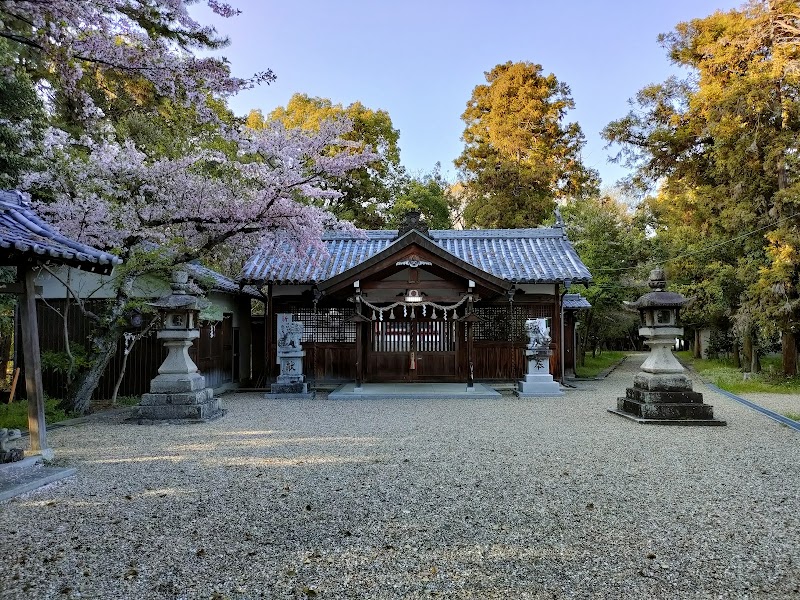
pixel 664 399
pixel 181 398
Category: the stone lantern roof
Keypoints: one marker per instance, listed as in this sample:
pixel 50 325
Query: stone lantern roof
pixel 180 298
pixel 659 298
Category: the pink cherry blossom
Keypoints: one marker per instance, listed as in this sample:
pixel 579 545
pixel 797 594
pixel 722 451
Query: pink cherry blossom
pixel 111 195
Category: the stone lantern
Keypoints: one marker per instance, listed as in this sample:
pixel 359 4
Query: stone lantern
pixel 179 392
pixel 661 392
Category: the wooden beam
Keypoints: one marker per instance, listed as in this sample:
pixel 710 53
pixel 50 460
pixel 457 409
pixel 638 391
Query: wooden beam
pixel 16 287
pixel 33 360
pixel 419 285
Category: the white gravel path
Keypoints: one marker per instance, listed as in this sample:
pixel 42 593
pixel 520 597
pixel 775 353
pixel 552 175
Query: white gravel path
pixel 502 498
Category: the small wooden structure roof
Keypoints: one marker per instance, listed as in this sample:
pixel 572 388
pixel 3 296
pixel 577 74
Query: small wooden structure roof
pixel 575 302
pixel 25 238
pixel 27 241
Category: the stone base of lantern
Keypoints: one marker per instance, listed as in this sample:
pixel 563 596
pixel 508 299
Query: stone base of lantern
pixel 665 399
pixel 179 398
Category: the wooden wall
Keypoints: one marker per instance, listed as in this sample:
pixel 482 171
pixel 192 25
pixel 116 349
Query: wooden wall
pixel 213 355
pixel 494 360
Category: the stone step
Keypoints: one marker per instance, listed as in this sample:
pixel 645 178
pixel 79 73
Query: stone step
pixel 671 410
pixel 673 397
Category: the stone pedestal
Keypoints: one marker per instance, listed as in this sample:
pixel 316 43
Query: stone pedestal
pixel 179 393
pixel 291 382
pixel 661 393
pixel 538 382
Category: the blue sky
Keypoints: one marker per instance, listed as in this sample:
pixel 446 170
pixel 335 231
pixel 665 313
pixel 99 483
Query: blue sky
pixel 419 60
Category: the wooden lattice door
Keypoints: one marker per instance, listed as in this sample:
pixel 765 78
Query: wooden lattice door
pixel 410 350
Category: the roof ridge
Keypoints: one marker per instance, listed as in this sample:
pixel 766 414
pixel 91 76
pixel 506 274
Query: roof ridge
pixel 380 234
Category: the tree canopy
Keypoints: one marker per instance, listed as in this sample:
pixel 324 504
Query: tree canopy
pixel 365 193
pixel 723 145
pixel 520 154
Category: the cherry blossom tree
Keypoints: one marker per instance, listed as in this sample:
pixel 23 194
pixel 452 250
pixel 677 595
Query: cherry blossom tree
pixel 215 192
pixel 59 41
pixel 159 213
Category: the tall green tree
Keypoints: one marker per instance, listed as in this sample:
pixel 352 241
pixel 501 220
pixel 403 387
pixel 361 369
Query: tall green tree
pixel 611 241
pixel 520 154
pixel 430 195
pixel 724 142
pixel 367 193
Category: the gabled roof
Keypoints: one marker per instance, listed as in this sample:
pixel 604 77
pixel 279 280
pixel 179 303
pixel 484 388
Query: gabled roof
pixel 575 302
pixel 415 239
pixel 220 282
pixel 24 237
pixel 542 255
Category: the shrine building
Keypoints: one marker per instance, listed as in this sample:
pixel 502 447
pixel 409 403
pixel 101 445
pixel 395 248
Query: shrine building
pixel 421 306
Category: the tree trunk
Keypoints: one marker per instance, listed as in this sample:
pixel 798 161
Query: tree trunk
pixel 755 361
pixel 105 341
pixel 747 350
pixel 737 360
pixel 105 349
pixel 585 339
pixel 789 353
pixel 697 351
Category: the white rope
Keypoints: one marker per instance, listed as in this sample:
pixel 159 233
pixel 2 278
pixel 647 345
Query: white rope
pixel 443 307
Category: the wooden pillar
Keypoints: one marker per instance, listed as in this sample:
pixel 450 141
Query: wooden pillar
pixel 359 353
pixel 269 334
pixel 32 357
pixel 556 335
pixel 470 363
pixel 359 320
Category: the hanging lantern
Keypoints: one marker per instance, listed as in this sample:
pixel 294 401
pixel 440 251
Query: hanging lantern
pixel 374 316
pixel 433 313
pixel 455 314
pixel 413 316
pixel 391 313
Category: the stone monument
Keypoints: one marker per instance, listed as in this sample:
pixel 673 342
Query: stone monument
pixel 662 394
pixel 538 382
pixel 290 353
pixel 7 453
pixel 179 393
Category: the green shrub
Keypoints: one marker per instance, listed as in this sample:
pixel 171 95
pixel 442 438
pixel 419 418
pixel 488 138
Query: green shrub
pixel 15 415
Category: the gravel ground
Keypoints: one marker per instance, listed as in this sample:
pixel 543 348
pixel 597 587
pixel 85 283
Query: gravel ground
pixel 780 403
pixel 501 498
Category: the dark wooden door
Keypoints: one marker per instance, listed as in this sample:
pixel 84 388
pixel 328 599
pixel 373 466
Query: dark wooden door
pixel 412 351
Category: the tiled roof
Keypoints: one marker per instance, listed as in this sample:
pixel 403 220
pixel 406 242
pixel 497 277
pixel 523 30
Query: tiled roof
pixel 575 302
pixel 24 236
pixel 542 255
pixel 220 282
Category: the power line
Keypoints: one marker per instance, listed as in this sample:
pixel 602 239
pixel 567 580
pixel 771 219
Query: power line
pixel 703 249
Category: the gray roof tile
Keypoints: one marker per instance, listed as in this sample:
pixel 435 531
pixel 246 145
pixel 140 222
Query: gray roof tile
pixel 575 302
pixel 542 255
pixel 24 236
